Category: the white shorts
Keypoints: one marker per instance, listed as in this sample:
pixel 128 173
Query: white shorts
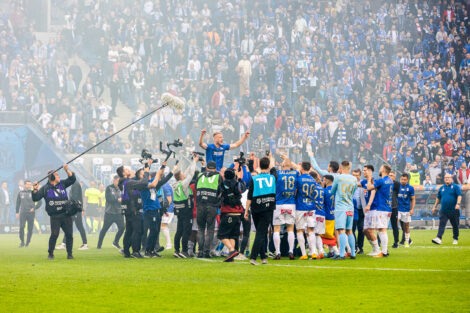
pixel 405 217
pixel 369 222
pixel 194 224
pixel 284 214
pixel 304 219
pixel 382 219
pixel 320 225
pixel 167 218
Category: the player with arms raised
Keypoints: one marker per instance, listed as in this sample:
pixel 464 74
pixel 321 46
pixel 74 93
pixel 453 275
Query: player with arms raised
pixel 343 188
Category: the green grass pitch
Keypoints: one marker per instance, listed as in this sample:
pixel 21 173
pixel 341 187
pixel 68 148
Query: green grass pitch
pixel 423 278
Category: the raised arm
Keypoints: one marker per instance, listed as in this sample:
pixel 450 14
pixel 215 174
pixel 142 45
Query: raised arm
pixel 70 179
pixel 202 144
pixel 315 165
pixel 241 141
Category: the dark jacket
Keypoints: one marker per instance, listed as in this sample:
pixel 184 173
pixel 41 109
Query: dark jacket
pixel 24 202
pixel 54 196
pixel 113 205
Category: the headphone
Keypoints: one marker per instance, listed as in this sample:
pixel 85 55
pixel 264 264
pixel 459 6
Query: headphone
pixel 52 177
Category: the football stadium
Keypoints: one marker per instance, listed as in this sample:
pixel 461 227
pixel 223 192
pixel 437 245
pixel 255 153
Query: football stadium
pixel 234 156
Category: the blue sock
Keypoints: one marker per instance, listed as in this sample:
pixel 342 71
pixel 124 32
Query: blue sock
pixel 342 244
pixel 352 244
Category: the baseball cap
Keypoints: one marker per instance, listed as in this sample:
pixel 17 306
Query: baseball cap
pixel 211 165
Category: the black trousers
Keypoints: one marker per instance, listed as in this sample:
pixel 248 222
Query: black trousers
pixel 152 219
pixel 359 226
pixel 78 220
pixel 110 219
pixel 262 221
pixel 206 216
pixel 29 218
pixel 133 233
pixel 183 229
pixel 453 217
pixel 394 222
pixel 64 222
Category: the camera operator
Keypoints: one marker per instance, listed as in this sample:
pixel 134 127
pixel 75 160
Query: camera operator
pixel 231 210
pixel 131 184
pixel 182 199
pixel 25 211
pixel 112 213
pixel 209 187
pixel 55 196
pixel 216 151
pixel 152 207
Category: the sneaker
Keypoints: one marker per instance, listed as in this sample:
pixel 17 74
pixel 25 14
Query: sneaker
pixel 277 257
pixel 160 249
pixel 352 257
pixel 402 243
pixel 26 245
pixel 83 247
pixel 291 256
pixel 191 254
pixel 437 241
pixel 330 255
pixel 231 255
pixel 241 257
pixel 348 254
pixel 148 254
pixel 314 256
pixel 373 253
pixel 338 258
pixel 116 245
pixel 411 242
pixel 264 261
pixel 185 255
pixel 304 257
pixel 253 262
pixel 395 245
pixel 320 256
pixel 21 245
pixel 407 245
pixel 215 254
pixel 200 255
pixel 360 251
pixel 70 257
pixel 50 257
pixel 137 255
pixel 98 247
pixel 271 255
pixel 155 254
pixel 380 255
pixel 176 254
pixel 61 246
pixel 127 256
pixel 386 254
pixel 455 242
pixel 121 251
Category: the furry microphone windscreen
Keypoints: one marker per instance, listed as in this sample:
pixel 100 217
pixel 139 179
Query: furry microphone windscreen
pixel 176 102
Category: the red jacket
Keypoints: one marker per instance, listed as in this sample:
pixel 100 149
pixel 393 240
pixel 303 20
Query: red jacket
pixel 467 175
pixel 193 189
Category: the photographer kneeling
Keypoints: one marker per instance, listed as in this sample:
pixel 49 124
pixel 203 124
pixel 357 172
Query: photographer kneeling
pixel 56 199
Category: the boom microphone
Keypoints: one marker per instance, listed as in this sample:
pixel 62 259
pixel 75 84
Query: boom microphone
pixel 168 99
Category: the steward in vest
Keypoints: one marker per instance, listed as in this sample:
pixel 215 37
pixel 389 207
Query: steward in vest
pixel 231 211
pixel 25 211
pixel 130 198
pixel 208 190
pixel 56 199
pixel 183 207
pixel 415 178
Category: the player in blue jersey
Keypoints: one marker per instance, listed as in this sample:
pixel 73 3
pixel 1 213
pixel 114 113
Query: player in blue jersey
pixel 216 151
pixel 329 200
pixel 343 188
pixel 284 214
pixel 369 211
pixel 319 213
pixel 406 205
pixel 305 211
pixel 383 195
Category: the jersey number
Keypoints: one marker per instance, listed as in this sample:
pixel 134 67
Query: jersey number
pixel 289 182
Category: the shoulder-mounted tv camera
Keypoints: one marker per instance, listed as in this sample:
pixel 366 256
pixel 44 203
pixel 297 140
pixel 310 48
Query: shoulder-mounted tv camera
pixel 145 156
pixel 168 151
pixel 241 160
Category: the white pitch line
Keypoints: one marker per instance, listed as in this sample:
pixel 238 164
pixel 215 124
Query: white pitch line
pixel 439 247
pixel 353 268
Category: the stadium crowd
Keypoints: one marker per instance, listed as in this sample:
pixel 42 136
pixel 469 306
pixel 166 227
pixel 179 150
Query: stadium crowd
pixel 359 80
